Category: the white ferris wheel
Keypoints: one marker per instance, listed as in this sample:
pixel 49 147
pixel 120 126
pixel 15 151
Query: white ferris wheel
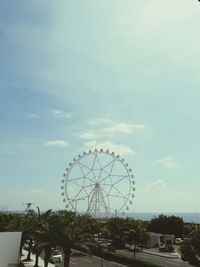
pixel 98 183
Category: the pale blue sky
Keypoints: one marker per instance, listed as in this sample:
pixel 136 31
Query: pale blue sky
pixel 124 75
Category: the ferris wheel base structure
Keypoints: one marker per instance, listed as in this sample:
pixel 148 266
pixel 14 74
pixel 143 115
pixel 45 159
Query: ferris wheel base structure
pixel 99 183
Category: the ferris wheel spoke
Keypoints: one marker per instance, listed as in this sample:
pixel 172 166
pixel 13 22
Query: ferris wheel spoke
pixel 92 181
pixel 89 170
pixel 70 180
pixel 109 174
pixel 118 191
pixel 94 161
pixel 104 191
pixel 112 165
pixel 106 184
pixel 99 161
pixel 117 196
pixel 83 165
pixel 74 183
pixel 109 163
pixel 85 176
pixel 78 199
pixel 82 169
pixel 91 185
pixel 73 200
pixel 120 180
pixel 100 174
pixel 103 179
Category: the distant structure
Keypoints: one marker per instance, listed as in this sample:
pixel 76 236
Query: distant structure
pixel 98 183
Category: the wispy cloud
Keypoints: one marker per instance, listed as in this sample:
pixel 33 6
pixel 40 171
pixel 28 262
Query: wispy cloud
pixel 168 162
pixel 37 190
pixel 33 115
pixel 157 184
pixel 124 128
pixel 117 148
pixel 61 114
pixel 100 121
pixel 88 134
pixel 57 143
pixel 111 129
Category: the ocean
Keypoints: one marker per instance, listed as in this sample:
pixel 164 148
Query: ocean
pixel 188 217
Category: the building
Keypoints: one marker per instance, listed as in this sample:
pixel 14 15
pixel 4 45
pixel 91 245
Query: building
pixel 10 248
pixel 162 241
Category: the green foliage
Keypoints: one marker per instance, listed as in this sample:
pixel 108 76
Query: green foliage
pixel 166 225
pixel 10 222
pixel 187 250
pixel 195 238
pixel 118 226
pixel 137 235
pixel 190 249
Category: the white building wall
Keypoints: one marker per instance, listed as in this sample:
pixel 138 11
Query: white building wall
pixel 9 248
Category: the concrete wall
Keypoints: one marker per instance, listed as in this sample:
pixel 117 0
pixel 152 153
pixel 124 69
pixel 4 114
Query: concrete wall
pixel 9 248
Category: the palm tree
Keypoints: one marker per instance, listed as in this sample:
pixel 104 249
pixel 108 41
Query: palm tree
pixel 29 224
pixel 37 250
pixel 71 231
pixel 45 237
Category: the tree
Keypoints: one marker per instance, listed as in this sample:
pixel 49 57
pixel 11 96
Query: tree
pixel 195 238
pixel 4 221
pixel 190 248
pixel 117 226
pixel 137 235
pixel 29 224
pixel 187 251
pixel 167 225
pixel 71 231
pixel 45 237
pixel 64 230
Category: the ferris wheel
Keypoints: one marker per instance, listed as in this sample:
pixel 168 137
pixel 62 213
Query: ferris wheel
pixel 98 183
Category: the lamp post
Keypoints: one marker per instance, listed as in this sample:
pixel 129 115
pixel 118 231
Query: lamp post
pixel 116 213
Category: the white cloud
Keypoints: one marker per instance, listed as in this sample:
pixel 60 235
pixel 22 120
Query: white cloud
pixel 158 184
pixel 61 114
pixel 100 121
pixel 57 143
pixel 113 129
pixel 88 134
pixel 117 148
pixel 124 128
pixel 168 162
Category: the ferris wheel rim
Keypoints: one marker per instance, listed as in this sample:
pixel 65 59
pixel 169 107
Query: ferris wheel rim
pixel 115 157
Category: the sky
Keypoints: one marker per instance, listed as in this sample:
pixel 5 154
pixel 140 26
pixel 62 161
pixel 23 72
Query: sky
pixel 118 75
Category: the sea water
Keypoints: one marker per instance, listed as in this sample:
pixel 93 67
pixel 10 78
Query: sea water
pixel 188 217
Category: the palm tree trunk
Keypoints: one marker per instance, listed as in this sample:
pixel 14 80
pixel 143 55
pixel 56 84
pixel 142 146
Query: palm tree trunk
pixel 134 249
pixel 47 257
pixel 36 260
pixel 28 258
pixel 67 253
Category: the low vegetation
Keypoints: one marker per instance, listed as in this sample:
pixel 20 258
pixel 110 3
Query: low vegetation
pixel 66 230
